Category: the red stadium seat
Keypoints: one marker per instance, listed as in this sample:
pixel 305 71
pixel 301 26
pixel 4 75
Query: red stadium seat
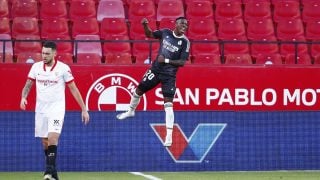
pixel 199 10
pixel 264 48
pixel 120 58
pixel 89 26
pixel 4 9
pixel 238 59
pixel 63 43
pixel 300 59
pixel 113 26
pixel 286 10
pixel 288 29
pixel 88 58
pixel 224 1
pixel 228 10
pixel 27 46
pixel 25 25
pixel 141 51
pixel 313 30
pixel 81 9
pixel 187 2
pixel 5 26
pixel 257 29
pixel 205 47
pixel 228 29
pixel 65 57
pixel 206 59
pixel 139 9
pixel 315 49
pixel 257 10
pixel 199 28
pixel 167 23
pixel 6 58
pixel 269 59
pixel 137 31
pixel 90 44
pixel 29 57
pixel 53 9
pixel 54 27
pixel 236 46
pixel 6 48
pixel 24 8
pixel 311 11
pixel 171 9
pixel 114 47
pixel 110 9
pixel 291 48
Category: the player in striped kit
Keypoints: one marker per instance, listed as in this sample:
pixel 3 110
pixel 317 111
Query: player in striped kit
pixel 172 54
pixel 51 77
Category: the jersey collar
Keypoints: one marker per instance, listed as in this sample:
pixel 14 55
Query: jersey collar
pixel 176 35
pixel 54 65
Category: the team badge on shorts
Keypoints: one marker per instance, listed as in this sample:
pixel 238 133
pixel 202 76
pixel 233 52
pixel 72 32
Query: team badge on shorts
pixel 113 92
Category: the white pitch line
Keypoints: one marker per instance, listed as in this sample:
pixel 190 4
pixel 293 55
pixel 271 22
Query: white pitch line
pixel 150 177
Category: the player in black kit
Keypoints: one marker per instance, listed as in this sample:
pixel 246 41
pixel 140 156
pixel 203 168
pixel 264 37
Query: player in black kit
pixel 172 54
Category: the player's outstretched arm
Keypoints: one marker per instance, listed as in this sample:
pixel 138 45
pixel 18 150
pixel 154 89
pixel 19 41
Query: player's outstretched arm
pixel 76 94
pixel 147 30
pixel 25 92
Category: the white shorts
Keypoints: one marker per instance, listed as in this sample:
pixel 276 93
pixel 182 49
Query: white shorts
pixel 48 122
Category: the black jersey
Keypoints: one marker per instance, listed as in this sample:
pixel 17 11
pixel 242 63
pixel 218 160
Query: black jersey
pixel 171 47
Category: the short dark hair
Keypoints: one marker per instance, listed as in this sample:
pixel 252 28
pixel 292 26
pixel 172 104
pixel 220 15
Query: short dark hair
pixel 50 44
pixel 181 17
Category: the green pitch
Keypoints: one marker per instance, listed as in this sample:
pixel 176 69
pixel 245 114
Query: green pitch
pixel 269 175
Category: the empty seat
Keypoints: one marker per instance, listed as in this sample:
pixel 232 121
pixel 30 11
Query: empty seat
pixel 236 46
pixel 299 59
pixel 113 26
pixel 54 27
pixel 64 44
pixel 238 59
pixel 29 57
pixel 187 2
pixel 311 11
pixel 199 28
pixel 228 10
pixel 64 57
pixel 82 9
pixel 267 45
pixel 199 10
pixel 170 9
pixel 139 9
pixel 288 29
pixel 137 31
pixel 143 52
pixel 206 59
pixel 6 58
pixel 24 8
pixel 25 25
pixel 167 23
pixel 205 46
pixel 290 46
pixel 88 26
pixel 5 26
pixel 53 9
pixel 6 48
pixel 269 59
pixel 88 58
pixel 90 44
pixel 315 49
pixel 110 9
pixel 257 10
pixel 228 29
pixel 4 9
pixel 260 28
pixel 33 46
pixel 120 58
pixel 116 45
pixel 313 30
pixel 286 10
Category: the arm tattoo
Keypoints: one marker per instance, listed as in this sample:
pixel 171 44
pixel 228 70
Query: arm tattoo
pixel 27 88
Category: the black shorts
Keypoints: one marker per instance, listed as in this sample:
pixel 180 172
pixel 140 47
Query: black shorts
pixel 152 78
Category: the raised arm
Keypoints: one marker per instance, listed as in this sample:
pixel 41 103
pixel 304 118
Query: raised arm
pixel 76 94
pixel 25 92
pixel 147 30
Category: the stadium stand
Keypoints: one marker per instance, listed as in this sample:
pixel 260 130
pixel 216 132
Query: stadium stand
pixel 199 28
pixel 228 10
pixel 82 10
pixel 232 59
pixel 170 9
pixel 110 9
pixel 54 27
pixel 199 10
pixel 28 44
pixel 286 10
pixel 24 8
pixel 6 48
pixel 210 59
pixel 25 26
pixel 4 9
pixel 113 26
pixel 311 10
pixel 139 9
pixel 5 27
pixel 269 59
pixel 257 10
pixel 260 28
pixel 300 59
pixel 28 57
pixel 87 26
pixel 119 46
pixel 53 9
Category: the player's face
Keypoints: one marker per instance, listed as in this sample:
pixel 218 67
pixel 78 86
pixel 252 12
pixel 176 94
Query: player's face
pixel 48 55
pixel 181 26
